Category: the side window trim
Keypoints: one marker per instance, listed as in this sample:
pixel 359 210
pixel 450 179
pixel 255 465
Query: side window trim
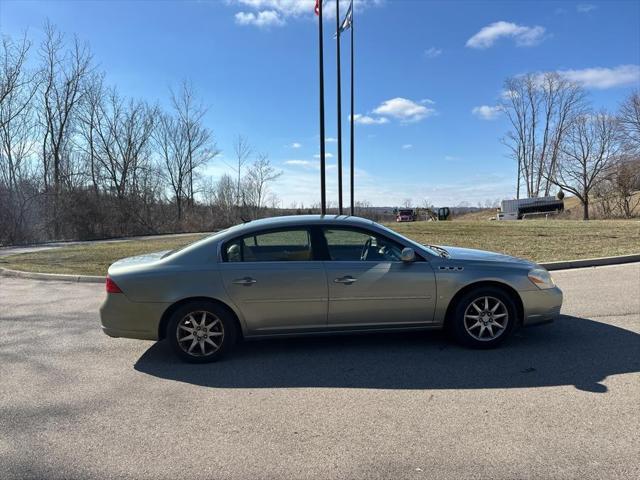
pixel 223 248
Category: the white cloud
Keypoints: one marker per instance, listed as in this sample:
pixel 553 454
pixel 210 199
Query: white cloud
pixel 261 12
pixel 602 78
pixel 309 164
pixel 486 112
pixel 404 109
pixel 295 145
pixel 433 52
pixel 291 7
pixel 585 7
pixel 524 36
pixel 331 139
pixel 263 19
pixel 451 158
pixel 407 146
pixel 326 155
pixel 367 120
pixel 299 162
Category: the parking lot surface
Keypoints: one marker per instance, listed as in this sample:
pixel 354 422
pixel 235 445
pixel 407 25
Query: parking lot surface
pixel 557 401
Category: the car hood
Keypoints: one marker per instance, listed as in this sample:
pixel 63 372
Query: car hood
pixel 458 253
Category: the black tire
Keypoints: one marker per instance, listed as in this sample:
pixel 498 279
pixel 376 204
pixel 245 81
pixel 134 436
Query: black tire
pixel 217 337
pixel 482 336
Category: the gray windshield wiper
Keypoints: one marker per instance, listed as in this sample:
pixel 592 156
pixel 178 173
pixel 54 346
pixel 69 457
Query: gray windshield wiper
pixel 441 251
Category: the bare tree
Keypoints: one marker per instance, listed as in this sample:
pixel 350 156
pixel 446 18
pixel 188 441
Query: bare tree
pixel 17 133
pixel 259 176
pixel 17 86
pixel 91 111
pixel 63 75
pixel 224 198
pixel 629 121
pixel 242 150
pixel 184 145
pixel 198 142
pixel 540 108
pixel 17 126
pixel 122 134
pixel 77 159
pixel 625 180
pixel 588 151
pixel 172 147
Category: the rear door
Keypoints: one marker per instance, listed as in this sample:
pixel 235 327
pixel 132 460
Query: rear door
pixel 273 278
pixel 369 286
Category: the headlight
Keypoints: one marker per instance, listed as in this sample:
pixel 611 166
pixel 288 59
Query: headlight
pixel 541 278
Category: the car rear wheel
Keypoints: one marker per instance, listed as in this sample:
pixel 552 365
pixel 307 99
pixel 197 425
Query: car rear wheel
pixel 201 332
pixel 484 317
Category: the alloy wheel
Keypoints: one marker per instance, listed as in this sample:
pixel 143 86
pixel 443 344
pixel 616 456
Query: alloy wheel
pixel 200 334
pixel 486 318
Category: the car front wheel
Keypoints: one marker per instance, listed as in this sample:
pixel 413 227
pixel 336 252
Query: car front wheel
pixel 201 332
pixel 484 317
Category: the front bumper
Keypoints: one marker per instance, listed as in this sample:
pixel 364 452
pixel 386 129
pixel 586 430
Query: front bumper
pixel 541 306
pixel 120 317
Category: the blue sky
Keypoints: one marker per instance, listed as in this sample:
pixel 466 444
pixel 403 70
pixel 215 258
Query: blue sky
pixel 428 75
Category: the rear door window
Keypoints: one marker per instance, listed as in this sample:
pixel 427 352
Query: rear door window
pixel 276 246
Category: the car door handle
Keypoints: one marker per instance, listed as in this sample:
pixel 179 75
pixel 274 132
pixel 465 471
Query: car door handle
pixel 247 281
pixel 348 280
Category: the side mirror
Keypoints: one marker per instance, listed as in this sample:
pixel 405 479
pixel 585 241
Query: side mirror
pixel 408 255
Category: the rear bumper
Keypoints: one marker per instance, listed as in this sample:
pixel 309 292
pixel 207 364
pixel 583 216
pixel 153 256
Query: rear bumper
pixel 541 306
pixel 120 317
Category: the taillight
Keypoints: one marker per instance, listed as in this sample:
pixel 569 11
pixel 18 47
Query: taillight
pixel 112 287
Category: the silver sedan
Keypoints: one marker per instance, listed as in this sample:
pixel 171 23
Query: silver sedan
pixel 310 275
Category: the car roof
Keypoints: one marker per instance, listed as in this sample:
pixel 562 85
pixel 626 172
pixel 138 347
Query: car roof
pixel 294 220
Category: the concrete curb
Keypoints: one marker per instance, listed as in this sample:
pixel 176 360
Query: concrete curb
pixel 561 265
pixel 60 277
pixel 591 262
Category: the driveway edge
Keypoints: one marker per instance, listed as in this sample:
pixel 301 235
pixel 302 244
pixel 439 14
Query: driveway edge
pixel 60 277
pixel 591 262
pixel 561 265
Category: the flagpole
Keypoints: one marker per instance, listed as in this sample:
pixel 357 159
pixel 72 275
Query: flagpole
pixel 339 95
pixel 351 133
pixel 323 193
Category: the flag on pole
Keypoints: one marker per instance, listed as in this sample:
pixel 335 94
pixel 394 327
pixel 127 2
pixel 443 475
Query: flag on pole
pixel 317 8
pixel 348 19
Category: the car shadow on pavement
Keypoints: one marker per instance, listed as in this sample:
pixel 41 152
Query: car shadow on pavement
pixel 572 351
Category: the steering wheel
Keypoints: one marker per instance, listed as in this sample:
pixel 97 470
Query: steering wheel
pixel 365 249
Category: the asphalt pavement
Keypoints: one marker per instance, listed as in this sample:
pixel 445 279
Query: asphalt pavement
pixel 557 401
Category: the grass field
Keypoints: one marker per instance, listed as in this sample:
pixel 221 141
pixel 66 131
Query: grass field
pixel 538 240
pixel 92 259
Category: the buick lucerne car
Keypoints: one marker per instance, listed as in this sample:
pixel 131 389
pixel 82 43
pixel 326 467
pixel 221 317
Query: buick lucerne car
pixel 310 275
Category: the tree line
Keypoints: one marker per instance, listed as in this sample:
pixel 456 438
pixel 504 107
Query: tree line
pixel 561 143
pixel 79 160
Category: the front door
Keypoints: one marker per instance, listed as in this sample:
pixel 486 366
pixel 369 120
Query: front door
pixel 369 286
pixel 274 280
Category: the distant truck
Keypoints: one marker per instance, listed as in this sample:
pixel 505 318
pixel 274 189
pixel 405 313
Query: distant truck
pixel 406 215
pixel 529 207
